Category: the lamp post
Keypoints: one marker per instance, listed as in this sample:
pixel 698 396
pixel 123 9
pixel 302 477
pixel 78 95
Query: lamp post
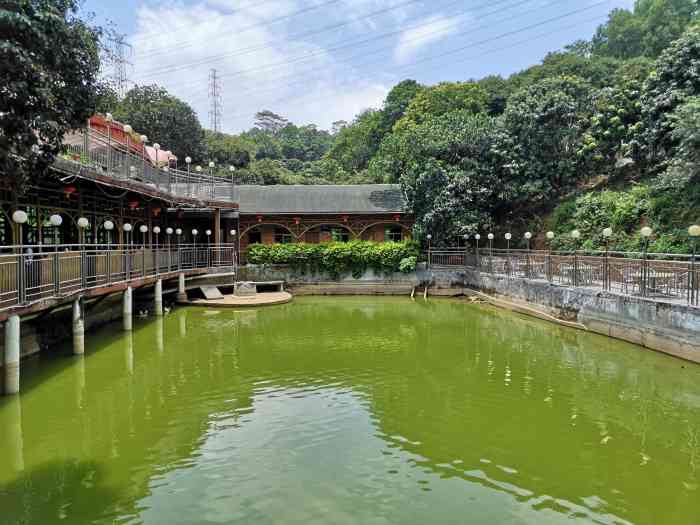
pixel 694 232
pixel 466 249
pixel 198 169
pixel 143 229
pixel 19 217
pixel 607 233
pixel 82 224
pixel 211 178
pixel 156 147
pixel 208 259
pixel 491 236
pixel 430 238
pixel 550 238
pixel 156 254
pixel 169 233
pixel 127 165
pixel 528 236
pixel 508 237
pixel 646 233
pixel 166 169
pixel 144 140
pixel 178 232
pixel 194 239
pixel 477 237
pixel 188 161
pixel 109 119
pixel 127 229
pixel 56 220
pixel 108 226
pixel 575 235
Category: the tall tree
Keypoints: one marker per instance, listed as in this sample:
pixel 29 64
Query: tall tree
pixel 165 119
pixel 269 121
pixel 444 98
pixel 49 63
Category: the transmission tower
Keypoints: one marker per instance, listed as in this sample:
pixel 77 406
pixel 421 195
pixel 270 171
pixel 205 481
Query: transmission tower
pixel 215 104
pixel 121 53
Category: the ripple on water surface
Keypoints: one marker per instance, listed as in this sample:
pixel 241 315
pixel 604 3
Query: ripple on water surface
pixel 352 410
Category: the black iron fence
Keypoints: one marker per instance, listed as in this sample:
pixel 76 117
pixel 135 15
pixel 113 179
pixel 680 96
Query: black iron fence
pixel 33 273
pixel 654 275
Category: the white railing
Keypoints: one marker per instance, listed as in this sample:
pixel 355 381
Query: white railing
pixel 92 149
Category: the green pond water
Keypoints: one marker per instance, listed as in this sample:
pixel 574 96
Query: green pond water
pixel 352 411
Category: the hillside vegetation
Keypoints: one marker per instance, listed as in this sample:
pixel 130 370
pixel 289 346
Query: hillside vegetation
pixel 603 133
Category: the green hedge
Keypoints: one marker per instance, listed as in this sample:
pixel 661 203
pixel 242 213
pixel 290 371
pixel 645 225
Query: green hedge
pixel 338 258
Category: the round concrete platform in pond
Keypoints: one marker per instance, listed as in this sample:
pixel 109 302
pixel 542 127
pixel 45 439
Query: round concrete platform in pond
pixel 234 301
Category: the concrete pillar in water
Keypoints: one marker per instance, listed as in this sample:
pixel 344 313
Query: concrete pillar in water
pixel 127 309
pixel 159 334
pixel 78 328
pixel 129 352
pixel 181 292
pixel 158 303
pixel 12 435
pixel 182 322
pixel 11 364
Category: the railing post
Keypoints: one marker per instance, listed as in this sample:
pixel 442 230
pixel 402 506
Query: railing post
pixel 56 273
pixel 574 279
pixel 109 265
pixel 143 261
pixel 21 282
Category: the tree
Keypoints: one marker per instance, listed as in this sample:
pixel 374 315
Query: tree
pixel 356 144
pixel 305 143
pixel 338 126
pixel 49 62
pixel 543 130
pixel 165 119
pixel 397 102
pixel 449 170
pixel 269 121
pixel 685 167
pixel 675 78
pixel 228 150
pixel 443 98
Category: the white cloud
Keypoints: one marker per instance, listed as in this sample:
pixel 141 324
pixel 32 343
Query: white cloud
pixel 258 63
pixel 433 29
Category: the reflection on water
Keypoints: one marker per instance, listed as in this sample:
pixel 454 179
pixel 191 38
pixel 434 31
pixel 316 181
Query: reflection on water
pixel 352 410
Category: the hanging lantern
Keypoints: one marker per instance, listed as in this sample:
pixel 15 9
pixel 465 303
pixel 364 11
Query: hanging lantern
pixel 397 217
pixel 297 220
pixel 259 217
pixel 69 190
pixel 180 213
pixel 156 211
pixel 133 205
pixel 345 218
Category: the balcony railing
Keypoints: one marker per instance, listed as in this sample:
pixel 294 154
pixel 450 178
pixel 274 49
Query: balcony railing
pixel 654 275
pixel 92 149
pixel 29 274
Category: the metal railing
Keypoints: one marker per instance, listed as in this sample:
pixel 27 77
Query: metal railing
pixel 29 274
pixel 653 275
pixel 91 148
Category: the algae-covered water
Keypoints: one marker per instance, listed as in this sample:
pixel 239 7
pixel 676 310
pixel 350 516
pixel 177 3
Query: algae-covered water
pixel 352 411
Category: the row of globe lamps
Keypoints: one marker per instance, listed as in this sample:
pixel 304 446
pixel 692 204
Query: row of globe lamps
pixel 20 217
pixel 646 233
pixel 144 139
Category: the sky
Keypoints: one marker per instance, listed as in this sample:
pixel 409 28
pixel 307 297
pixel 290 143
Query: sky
pixel 320 61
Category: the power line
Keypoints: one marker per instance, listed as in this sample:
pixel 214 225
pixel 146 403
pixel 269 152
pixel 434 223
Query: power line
pixel 468 29
pixel 270 43
pixel 354 44
pixel 215 108
pixel 189 26
pixel 456 50
pixel 252 26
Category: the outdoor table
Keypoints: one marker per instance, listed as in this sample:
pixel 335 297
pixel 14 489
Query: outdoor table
pixel 655 280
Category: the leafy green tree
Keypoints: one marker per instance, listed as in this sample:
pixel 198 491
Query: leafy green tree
pixel 228 150
pixel 357 143
pixel 684 170
pixel 596 70
pixel 165 119
pixel 543 130
pixel 498 90
pixel 269 121
pixel 49 63
pixel 443 98
pixel 675 78
pixel 305 143
pixel 397 102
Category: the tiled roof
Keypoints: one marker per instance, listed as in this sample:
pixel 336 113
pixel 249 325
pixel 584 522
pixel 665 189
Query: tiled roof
pixel 321 199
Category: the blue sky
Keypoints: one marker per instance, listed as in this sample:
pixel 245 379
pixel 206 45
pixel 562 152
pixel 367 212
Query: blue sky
pixel 318 61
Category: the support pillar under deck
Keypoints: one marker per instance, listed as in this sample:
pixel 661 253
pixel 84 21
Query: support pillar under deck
pixel 11 360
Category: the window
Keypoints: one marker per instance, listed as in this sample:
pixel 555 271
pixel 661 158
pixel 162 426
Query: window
pixel 340 235
pixel 393 233
pixel 254 237
pixel 282 236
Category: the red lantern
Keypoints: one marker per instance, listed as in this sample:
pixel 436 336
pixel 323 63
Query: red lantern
pixel 259 217
pixel 345 218
pixel 297 220
pixel 133 205
pixel 397 218
pixel 69 190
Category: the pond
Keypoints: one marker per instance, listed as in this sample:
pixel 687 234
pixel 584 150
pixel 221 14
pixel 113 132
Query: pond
pixel 352 411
